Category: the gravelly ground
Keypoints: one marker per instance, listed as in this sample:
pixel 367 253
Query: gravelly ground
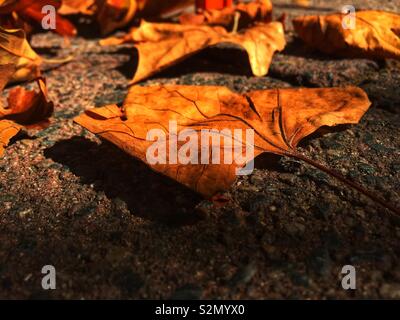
pixel 114 229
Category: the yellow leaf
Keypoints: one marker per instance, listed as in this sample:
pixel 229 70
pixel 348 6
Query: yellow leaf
pixel 15 50
pixel 376 34
pixel 279 118
pixel 161 45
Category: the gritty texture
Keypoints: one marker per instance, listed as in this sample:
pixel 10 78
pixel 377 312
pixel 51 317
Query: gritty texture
pixel 114 229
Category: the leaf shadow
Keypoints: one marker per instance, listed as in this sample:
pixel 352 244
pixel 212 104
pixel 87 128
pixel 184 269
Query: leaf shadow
pixel 225 59
pixel 146 193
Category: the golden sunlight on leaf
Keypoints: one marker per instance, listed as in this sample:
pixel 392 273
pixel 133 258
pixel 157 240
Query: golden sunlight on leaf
pixel 279 120
pixel 15 50
pixel 161 45
pixel 376 34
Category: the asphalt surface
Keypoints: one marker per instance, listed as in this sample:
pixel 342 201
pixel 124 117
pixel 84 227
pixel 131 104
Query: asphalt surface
pixel 114 229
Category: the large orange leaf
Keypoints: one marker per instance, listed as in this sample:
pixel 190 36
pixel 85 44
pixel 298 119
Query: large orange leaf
pixel 376 34
pixel 278 118
pixel 246 12
pixel 161 45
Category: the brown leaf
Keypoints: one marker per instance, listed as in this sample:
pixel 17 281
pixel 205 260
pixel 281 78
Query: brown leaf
pixel 6 72
pixel 376 34
pixel 248 12
pixel 19 13
pixel 161 45
pixel 279 118
pixel 16 52
pixel 8 129
pixel 28 107
pixel 25 108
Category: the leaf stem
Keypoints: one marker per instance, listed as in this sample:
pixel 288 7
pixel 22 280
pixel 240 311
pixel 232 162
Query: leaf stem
pixel 236 22
pixel 343 179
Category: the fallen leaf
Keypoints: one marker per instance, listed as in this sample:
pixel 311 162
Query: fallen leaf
pixel 8 129
pixel 16 52
pixel 17 12
pixel 115 14
pixel 376 34
pixel 28 107
pixel 247 13
pixel 25 108
pixel 161 45
pixel 6 72
pixel 279 118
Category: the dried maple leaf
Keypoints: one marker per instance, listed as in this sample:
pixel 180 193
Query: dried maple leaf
pixel 247 12
pixel 28 107
pixel 25 108
pixel 16 52
pixel 376 34
pixel 15 14
pixel 279 118
pixel 161 45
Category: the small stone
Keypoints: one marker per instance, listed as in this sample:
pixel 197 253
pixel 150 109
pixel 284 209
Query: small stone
pixel 257 180
pixel 288 178
pixel 366 168
pixel 25 213
pixel 244 275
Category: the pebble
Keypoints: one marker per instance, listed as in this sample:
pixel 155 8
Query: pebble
pixel 25 213
pixel 257 180
pixel 366 168
pixel 244 275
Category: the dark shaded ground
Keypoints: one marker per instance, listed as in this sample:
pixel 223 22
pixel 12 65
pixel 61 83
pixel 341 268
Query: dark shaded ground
pixel 114 229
